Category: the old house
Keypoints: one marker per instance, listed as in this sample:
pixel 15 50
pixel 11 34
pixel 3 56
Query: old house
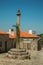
pixel 5 44
pixel 27 40
pixel 4 37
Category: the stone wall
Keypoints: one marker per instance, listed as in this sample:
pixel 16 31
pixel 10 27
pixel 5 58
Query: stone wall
pixel 3 39
pixel 30 45
pixel 34 44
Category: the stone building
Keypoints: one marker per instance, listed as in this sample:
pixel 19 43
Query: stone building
pixel 4 37
pixel 5 42
pixel 8 41
pixel 27 40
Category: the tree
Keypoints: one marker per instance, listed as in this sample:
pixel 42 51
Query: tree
pixel 41 36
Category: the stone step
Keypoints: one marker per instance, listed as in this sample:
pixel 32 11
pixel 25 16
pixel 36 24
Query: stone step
pixel 17 50
pixel 17 53
pixel 18 56
pixel 11 56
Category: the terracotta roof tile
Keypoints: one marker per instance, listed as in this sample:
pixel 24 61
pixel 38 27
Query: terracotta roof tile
pixel 24 35
pixel 1 32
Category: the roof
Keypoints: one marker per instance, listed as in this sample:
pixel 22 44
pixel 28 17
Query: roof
pixel 24 35
pixel 1 32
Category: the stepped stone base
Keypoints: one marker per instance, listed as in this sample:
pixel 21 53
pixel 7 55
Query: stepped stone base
pixel 18 54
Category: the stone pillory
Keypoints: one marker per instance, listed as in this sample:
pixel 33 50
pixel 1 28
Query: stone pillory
pixel 18 30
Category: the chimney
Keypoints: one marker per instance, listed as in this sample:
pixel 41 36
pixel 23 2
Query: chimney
pixel 30 32
pixel 11 31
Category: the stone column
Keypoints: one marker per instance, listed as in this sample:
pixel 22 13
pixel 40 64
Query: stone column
pixel 18 30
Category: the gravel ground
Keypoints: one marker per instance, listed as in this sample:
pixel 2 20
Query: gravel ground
pixel 36 59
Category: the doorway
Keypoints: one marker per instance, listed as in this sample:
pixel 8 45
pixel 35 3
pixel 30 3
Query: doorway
pixel 39 45
pixel 5 46
pixel 14 45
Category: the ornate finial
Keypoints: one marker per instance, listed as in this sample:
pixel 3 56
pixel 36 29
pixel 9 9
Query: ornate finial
pixel 18 13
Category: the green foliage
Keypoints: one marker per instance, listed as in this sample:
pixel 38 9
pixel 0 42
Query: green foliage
pixel 41 36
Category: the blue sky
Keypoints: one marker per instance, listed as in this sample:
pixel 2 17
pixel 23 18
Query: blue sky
pixel 31 14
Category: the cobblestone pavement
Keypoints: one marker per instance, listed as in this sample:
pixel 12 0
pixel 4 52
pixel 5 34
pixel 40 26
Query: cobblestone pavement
pixel 36 59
